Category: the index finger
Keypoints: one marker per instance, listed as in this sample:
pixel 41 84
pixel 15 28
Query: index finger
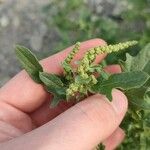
pixel 23 93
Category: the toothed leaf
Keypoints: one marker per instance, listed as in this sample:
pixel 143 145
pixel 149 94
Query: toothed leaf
pixel 53 84
pixel 123 81
pixel 29 62
pixel 139 98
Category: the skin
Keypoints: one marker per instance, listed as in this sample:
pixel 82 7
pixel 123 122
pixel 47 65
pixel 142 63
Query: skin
pixel 27 122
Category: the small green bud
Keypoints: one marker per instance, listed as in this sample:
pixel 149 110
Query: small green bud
pixel 92 51
pixel 73 52
pixel 97 50
pixel 94 80
pixel 80 69
pixel 83 89
pixel 84 76
pixel 85 60
pixel 91 57
pixel 69 92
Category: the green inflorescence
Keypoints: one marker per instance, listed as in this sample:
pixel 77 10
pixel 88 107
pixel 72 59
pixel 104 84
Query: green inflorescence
pixel 84 71
pixel 66 64
pixel 72 53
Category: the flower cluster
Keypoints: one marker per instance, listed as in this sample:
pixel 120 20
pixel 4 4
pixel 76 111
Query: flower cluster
pixel 72 53
pixel 93 52
pixel 80 85
pixel 82 78
pixel 66 63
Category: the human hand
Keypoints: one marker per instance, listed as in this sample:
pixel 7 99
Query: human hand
pixel 27 122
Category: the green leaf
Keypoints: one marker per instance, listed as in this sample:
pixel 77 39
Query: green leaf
pixel 51 79
pixel 67 67
pixel 55 101
pixel 139 98
pixel 29 62
pixel 141 59
pixel 147 67
pixel 137 63
pixel 100 147
pixel 147 70
pixel 123 81
pixel 126 65
pixel 80 80
pixel 53 84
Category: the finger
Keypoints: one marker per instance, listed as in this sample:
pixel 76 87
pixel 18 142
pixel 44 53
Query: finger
pixel 15 117
pixel 113 69
pixel 44 114
pixel 23 93
pixel 81 127
pixel 114 140
pixel 8 132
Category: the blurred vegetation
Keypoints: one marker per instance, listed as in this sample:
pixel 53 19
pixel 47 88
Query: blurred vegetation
pixel 81 20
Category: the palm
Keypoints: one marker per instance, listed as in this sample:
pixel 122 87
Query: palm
pixel 21 122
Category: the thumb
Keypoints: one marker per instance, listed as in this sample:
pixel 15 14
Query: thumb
pixel 81 127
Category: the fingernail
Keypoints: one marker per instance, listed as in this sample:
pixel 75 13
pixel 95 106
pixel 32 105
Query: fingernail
pixel 119 102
